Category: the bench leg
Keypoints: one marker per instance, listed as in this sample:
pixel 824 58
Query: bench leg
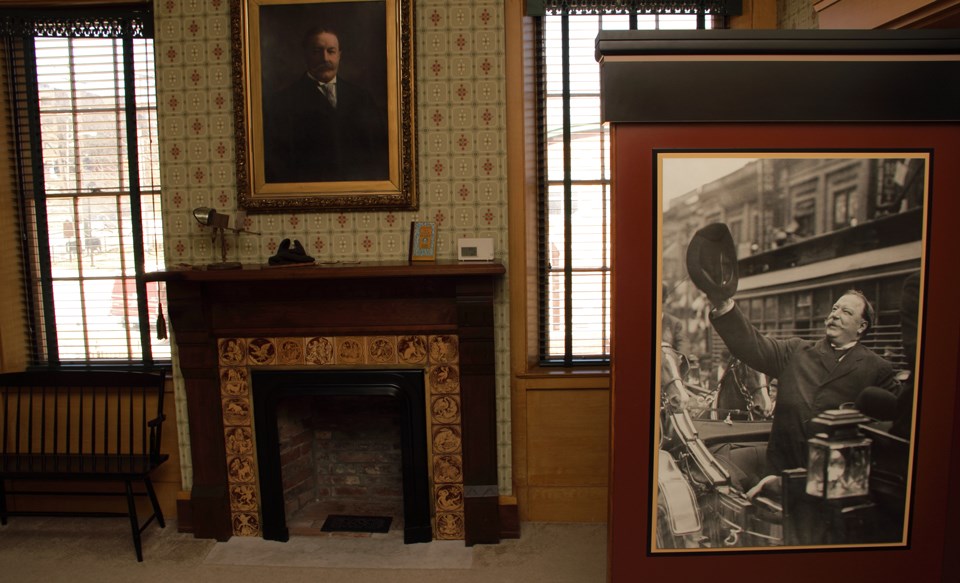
pixel 134 523
pixel 153 500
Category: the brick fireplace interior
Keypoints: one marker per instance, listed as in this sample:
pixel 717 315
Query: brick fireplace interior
pixel 353 441
pixel 339 455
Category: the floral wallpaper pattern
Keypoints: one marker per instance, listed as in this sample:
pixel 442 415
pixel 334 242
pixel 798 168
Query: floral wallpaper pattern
pixel 459 81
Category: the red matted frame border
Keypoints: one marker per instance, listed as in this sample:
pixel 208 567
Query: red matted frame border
pixel 935 514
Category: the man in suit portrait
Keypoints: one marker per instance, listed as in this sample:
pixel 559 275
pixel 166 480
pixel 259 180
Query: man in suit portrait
pixel 814 375
pixel 324 126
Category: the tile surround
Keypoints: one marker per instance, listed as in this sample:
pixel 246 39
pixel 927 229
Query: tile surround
pixel 459 80
pixel 439 357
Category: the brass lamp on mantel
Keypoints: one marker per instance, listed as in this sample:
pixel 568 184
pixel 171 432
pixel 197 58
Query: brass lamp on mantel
pixel 219 223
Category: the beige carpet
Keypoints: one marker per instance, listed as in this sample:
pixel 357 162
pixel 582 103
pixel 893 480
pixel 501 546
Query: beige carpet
pixel 378 551
pixel 101 551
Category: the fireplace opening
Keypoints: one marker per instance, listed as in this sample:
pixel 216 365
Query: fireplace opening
pixel 327 441
pixel 341 455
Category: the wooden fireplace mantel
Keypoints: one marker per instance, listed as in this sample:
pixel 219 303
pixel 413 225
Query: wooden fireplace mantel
pixel 336 270
pixel 335 300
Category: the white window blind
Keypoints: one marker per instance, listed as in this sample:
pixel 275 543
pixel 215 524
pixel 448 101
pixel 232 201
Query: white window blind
pixel 575 177
pixel 92 219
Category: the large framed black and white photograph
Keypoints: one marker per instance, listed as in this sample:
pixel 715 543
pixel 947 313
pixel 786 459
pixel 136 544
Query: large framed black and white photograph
pixel 789 326
pixel 324 112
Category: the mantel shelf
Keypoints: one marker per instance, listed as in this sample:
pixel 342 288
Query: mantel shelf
pixel 339 270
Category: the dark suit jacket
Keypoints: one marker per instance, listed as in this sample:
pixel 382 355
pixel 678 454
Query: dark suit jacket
pixel 810 381
pixel 308 140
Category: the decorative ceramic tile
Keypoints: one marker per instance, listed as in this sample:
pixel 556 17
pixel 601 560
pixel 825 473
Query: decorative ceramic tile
pixel 449 497
pixel 446 439
pixel 447 469
pixel 232 351
pixel 381 350
pixel 239 441
pixel 444 378
pixel 350 350
pixel 243 498
pixel 443 426
pixel 236 411
pixel 261 351
pixel 319 351
pixel 290 351
pixel 444 349
pixel 450 525
pixel 233 381
pixel 246 524
pixel 445 409
pixel 241 469
pixel 412 349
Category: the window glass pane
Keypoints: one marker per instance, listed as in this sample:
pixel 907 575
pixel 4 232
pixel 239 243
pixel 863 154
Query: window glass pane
pixel 87 188
pixel 804 304
pixel 676 22
pixel 786 307
pixel 588 176
pixel 591 301
pixel 70 317
pixel 589 220
pixel 556 313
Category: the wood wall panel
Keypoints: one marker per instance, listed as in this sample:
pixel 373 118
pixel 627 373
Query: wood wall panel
pixel 587 504
pixel 568 438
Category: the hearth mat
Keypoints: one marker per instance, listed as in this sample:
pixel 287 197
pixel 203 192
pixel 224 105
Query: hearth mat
pixel 352 523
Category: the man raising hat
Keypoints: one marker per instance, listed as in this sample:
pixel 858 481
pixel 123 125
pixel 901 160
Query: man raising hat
pixel 814 376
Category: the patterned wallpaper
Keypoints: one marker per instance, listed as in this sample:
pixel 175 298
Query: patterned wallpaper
pixel 459 81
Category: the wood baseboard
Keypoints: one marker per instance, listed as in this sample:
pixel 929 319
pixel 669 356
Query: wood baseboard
pixel 184 512
pixel 509 517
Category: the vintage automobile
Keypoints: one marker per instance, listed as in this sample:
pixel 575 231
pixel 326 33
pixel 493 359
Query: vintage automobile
pixel 711 493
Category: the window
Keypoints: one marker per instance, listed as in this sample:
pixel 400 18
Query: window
pixel 804 217
pixel 85 124
pixel 574 206
pixel 843 211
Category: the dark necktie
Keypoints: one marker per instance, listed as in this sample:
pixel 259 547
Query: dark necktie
pixel 329 90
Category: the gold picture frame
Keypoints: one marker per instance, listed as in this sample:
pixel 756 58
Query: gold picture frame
pixel 292 156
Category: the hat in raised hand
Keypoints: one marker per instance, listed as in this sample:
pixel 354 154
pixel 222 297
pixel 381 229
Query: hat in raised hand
pixel 712 262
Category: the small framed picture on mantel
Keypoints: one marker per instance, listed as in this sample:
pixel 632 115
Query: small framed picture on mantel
pixel 423 241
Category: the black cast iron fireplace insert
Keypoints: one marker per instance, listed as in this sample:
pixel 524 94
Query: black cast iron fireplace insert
pixel 271 386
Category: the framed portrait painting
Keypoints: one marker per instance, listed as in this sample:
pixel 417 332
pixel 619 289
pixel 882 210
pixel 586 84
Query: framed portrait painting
pixel 324 116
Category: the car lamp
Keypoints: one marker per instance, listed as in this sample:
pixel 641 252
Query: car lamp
pixel 838 465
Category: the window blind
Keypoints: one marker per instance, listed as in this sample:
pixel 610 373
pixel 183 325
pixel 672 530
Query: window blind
pixel 574 209
pixel 89 176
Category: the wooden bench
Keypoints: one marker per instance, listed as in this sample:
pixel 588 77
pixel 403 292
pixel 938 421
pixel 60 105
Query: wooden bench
pixel 96 427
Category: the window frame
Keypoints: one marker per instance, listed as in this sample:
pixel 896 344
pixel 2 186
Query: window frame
pixel 546 317
pixel 118 22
